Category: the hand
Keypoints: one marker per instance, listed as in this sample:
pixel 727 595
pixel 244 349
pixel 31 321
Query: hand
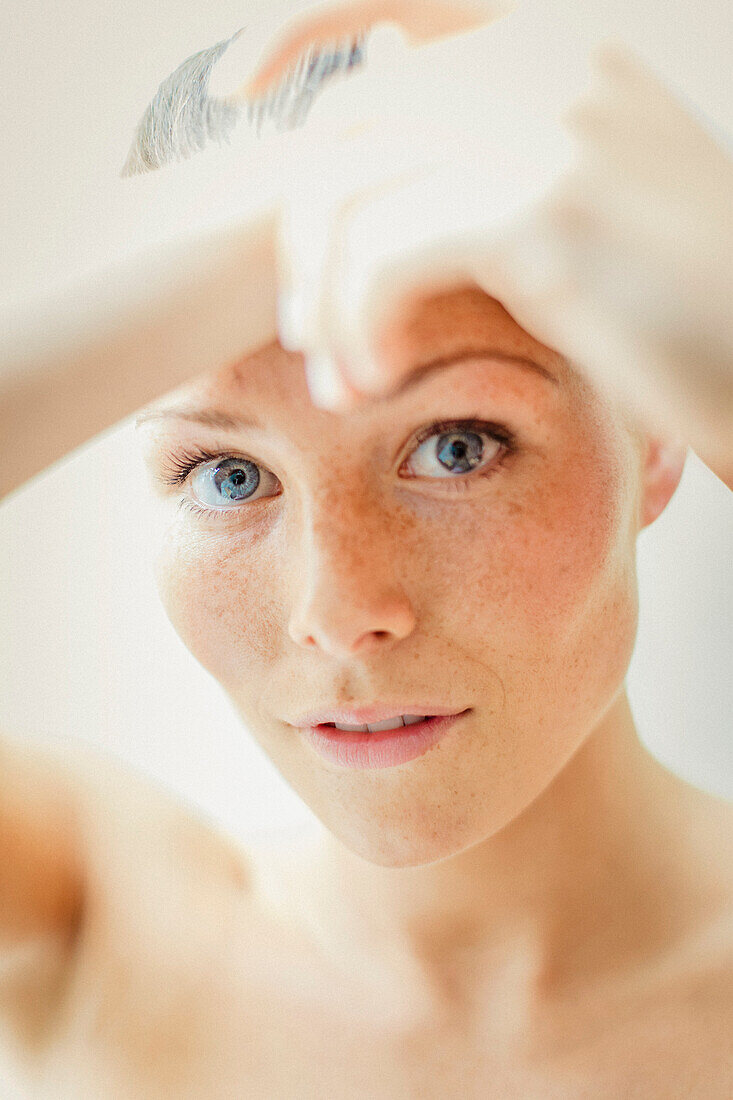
pixel 636 247
pixel 624 266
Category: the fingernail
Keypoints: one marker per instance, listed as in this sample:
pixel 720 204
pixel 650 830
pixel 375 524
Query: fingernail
pixel 325 385
pixel 364 372
pixel 290 318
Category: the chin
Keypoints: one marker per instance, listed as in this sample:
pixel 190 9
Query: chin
pixel 400 846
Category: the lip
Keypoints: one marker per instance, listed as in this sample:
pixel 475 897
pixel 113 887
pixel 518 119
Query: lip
pixel 377 712
pixel 384 749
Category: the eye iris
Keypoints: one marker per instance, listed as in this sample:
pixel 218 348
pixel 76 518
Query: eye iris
pixel 456 454
pixel 236 479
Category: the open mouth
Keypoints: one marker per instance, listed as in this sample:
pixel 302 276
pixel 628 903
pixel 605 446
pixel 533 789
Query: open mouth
pixel 407 726
pixel 380 748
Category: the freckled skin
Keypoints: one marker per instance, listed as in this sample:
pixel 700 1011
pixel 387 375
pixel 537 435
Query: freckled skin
pixel 516 598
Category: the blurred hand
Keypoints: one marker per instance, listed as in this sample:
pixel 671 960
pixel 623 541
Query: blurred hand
pixel 420 20
pixel 626 268
pixel 623 266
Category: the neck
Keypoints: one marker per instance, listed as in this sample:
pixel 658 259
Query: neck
pixel 580 882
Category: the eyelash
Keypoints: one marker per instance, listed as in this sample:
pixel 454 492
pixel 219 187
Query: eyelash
pixel 184 462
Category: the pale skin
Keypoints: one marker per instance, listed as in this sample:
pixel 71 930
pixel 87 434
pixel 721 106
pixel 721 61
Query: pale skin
pixel 535 908
pixel 649 195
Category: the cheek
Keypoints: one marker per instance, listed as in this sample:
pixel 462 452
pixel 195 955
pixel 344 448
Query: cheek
pixel 547 585
pixel 563 545
pixel 215 593
pixel 568 539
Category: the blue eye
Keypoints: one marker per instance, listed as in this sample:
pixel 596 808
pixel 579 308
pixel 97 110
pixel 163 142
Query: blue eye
pixel 227 481
pixel 459 450
pixel 220 483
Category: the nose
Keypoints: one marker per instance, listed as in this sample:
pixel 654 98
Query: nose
pixel 349 601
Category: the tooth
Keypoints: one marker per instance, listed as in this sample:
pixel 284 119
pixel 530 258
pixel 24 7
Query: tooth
pixel 387 724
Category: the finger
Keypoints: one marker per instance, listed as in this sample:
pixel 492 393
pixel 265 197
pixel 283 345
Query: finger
pixel 421 20
pixel 634 120
pixel 333 274
pixel 328 386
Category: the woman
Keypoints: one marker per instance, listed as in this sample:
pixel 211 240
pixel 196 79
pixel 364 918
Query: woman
pixel 514 900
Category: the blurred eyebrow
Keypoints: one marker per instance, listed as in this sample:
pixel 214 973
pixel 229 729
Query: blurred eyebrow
pixel 182 117
pixel 212 418
pixel 217 418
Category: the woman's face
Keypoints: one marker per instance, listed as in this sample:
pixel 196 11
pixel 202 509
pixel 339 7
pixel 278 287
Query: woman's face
pixel 372 567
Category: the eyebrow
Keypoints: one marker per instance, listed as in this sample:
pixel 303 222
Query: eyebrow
pixel 419 373
pixel 212 418
pixel 217 418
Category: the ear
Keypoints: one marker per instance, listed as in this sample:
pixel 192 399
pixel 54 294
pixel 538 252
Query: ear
pixel 662 462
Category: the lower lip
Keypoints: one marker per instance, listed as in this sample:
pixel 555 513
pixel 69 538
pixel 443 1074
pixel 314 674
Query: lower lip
pixel 384 749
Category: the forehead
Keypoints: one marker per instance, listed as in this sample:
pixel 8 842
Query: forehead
pixel 446 320
pixel 421 327
pixel 428 336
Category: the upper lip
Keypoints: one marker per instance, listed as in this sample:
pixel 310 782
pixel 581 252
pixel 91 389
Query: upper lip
pixel 378 712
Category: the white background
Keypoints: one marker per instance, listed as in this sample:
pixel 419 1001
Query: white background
pixel 85 649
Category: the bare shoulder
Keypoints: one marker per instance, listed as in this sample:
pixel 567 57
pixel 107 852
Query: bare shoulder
pixel 165 892
pixel 41 888
pixel 87 844
pixel 158 895
pixel 78 824
pixel 163 885
pixel 683 1029
pixel 39 840
pixel 135 827
pixel 682 1015
pixel 701 962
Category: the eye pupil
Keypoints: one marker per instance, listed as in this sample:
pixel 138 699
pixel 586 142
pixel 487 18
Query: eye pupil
pixel 456 453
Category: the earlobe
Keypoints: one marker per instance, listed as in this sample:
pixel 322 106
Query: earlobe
pixel 662 462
